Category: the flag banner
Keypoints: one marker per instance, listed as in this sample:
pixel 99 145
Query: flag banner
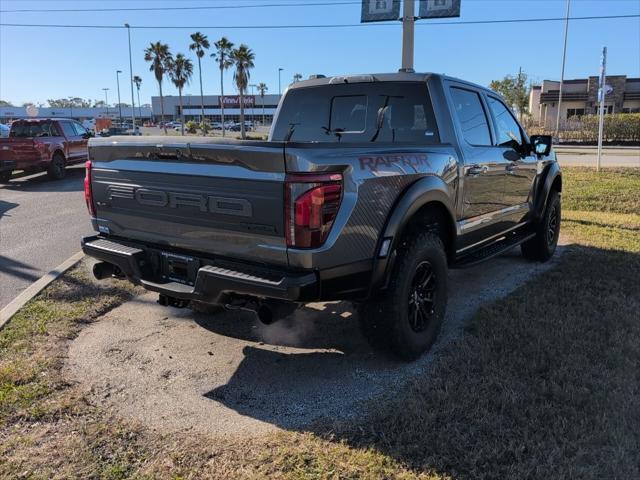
pixel 439 8
pixel 380 10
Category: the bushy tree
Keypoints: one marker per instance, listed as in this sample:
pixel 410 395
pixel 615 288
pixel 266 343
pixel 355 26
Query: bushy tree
pixel 515 91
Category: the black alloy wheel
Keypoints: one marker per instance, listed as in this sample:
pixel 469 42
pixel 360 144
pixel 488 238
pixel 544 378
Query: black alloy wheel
pixel 422 297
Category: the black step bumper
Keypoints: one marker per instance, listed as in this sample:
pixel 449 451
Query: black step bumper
pixel 214 281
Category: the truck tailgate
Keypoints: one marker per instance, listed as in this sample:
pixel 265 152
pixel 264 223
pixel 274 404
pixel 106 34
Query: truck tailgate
pixel 18 149
pixel 222 198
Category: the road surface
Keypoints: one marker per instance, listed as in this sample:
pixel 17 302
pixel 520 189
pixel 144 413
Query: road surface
pixel 41 222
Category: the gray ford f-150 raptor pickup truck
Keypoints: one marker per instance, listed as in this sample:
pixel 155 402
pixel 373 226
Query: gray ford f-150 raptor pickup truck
pixel 368 188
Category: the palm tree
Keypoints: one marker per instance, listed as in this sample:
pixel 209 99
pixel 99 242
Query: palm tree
pixel 200 44
pixel 262 88
pixel 222 54
pixel 180 72
pixel 138 81
pixel 160 57
pixel 243 60
pixel 297 77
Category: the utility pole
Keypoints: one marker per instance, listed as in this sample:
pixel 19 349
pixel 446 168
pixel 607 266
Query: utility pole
pixel 118 72
pixel 564 55
pixel 408 21
pixel 601 94
pixel 133 103
pixel 279 83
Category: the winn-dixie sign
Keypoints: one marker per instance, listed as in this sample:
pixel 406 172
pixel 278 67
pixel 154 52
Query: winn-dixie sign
pixel 233 101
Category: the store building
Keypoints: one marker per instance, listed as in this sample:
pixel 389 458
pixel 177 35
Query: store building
pixel 255 107
pixel 8 114
pixel 580 97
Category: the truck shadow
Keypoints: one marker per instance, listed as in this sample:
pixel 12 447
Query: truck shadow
pixel 316 365
pixel 509 380
pixel 5 207
pixel 40 182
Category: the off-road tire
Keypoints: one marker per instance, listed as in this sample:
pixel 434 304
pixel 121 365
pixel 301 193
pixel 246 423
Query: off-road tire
pixel 542 247
pixel 5 176
pixel 389 321
pixel 56 170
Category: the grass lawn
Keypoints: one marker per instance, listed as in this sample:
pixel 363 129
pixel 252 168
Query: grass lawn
pixel 543 384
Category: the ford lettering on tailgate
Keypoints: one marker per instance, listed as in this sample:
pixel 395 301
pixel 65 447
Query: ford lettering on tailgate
pixel 160 198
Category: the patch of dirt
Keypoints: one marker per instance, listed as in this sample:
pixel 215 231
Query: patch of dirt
pixel 227 374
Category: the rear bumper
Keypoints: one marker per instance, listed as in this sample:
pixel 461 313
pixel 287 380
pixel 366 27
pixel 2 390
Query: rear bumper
pixel 8 165
pixel 214 281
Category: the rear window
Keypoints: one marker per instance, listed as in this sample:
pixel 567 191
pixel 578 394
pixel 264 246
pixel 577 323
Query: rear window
pixel 358 112
pixel 33 129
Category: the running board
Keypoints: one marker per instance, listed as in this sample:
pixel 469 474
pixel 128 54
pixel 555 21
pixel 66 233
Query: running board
pixel 492 250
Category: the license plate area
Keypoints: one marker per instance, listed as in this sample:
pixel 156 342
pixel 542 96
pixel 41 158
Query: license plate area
pixel 179 268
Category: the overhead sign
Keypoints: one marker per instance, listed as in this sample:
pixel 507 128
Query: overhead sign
pixel 380 10
pixel 233 101
pixel 439 8
pixel 32 111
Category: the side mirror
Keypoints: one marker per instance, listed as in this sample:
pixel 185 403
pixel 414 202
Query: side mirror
pixel 541 144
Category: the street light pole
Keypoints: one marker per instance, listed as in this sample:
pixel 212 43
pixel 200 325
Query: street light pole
pixel 564 54
pixel 118 72
pixel 133 103
pixel 279 83
pixel 408 24
pixel 106 101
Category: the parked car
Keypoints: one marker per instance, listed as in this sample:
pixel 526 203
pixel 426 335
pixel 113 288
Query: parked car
pixel 368 193
pixel 4 130
pixel 43 144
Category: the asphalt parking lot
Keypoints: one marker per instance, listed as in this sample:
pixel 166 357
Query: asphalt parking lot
pixel 41 223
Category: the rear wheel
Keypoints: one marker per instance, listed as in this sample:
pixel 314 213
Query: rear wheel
pixel 5 176
pixel 543 245
pixel 407 316
pixel 56 170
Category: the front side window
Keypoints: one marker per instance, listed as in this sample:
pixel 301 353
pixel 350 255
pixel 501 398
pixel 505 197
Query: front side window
pixel 508 130
pixel 68 129
pixel 80 130
pixel 471 116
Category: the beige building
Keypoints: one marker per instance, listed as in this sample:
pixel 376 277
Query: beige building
pixel 580 97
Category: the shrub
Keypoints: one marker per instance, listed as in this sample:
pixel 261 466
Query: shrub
pixel 618 127
pixel 205 126
pixel 191 126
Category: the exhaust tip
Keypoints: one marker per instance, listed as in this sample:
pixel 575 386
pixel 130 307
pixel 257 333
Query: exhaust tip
pixel 102 270
pixel 265 314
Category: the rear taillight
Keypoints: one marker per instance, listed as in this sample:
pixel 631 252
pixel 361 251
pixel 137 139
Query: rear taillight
pixel 312 202
pixel 88 192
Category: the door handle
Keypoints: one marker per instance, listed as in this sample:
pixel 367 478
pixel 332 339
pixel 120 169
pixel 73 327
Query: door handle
pixel 477 169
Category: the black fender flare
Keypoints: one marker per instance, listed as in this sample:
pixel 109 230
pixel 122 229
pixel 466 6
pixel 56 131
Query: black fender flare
pixel 551 173
pixel 426 190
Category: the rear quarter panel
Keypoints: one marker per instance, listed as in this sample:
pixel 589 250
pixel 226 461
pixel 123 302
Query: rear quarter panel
pixel 374 180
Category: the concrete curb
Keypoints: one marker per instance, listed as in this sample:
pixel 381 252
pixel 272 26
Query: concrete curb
pixel 36 287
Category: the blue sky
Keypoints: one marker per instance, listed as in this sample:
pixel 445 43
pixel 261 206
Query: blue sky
pixel 41 63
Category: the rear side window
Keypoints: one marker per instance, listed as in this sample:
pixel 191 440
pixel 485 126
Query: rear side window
pixel 358 112
pixel 68 129
pixel 471 116
pixel 33 129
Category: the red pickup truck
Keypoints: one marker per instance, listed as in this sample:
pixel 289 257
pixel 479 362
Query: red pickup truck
pixel 42 144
